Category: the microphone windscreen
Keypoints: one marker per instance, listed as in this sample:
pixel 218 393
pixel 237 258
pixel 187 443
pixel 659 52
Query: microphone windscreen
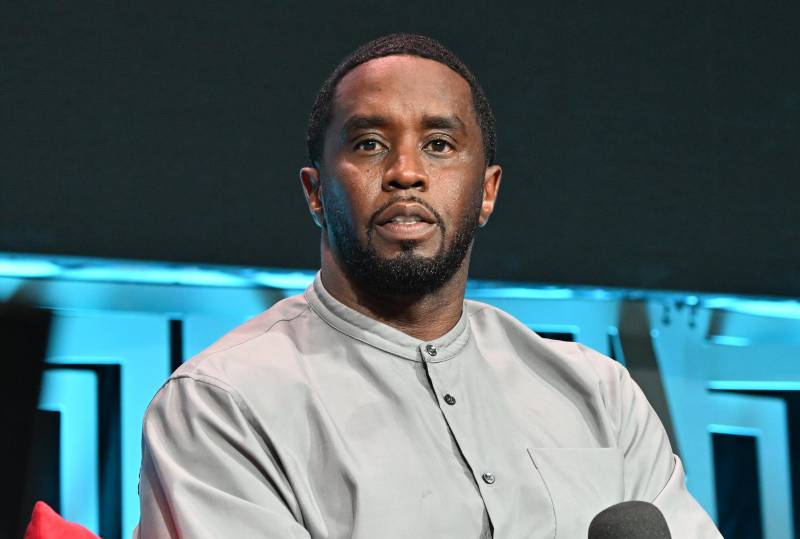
pixel 629 520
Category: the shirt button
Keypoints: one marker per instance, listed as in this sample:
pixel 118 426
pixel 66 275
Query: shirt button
pixel 431 349
pixel 449 399
pixel 488 478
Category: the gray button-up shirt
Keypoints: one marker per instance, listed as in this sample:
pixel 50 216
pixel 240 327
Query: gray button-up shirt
pixel 313 420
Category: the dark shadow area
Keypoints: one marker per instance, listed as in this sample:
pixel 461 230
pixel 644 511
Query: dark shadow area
pixel 557 335
pixel 737 488
pixel 645 146
pixel 24 335
pixel 792 399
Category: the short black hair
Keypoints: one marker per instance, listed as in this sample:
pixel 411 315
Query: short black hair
pixel 389 45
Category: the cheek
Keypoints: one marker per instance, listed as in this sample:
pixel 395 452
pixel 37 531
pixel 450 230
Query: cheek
pixel 362 177
pixel 351 192
pixel 459 200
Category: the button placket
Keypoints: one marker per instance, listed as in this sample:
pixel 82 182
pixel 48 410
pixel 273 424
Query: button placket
pixel 445 376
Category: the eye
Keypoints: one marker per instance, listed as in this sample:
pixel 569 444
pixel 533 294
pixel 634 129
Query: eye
pixel 439 145
pixel 369 145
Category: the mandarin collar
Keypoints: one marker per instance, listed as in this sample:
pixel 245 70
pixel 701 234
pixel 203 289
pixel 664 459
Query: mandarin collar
pixel 379 335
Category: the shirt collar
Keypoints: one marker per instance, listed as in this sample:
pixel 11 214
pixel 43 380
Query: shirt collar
pixel 374 333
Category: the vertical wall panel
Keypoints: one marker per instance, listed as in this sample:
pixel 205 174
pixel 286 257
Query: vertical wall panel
pixel 690 366
pixel 73 394
pixel 139 344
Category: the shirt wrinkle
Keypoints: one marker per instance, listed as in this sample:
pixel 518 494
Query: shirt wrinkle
pixel 600 388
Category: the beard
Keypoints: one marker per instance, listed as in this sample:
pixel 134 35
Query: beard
pixel 406 274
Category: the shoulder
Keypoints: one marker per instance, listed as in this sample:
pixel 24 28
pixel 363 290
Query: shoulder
pixel 254 373
pixel 268 344
pixel 566 367
pixel 495 329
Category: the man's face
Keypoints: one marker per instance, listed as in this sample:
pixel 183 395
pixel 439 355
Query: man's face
pixel 403 182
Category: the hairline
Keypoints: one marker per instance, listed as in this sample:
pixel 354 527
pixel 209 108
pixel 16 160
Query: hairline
pixel 335 89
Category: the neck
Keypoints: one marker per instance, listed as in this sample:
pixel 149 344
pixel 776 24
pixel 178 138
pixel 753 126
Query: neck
pixel 425 317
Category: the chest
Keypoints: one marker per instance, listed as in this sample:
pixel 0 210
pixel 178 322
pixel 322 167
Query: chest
pixel 404 449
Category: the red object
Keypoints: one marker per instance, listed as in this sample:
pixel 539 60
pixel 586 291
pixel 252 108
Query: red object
pixel 47 524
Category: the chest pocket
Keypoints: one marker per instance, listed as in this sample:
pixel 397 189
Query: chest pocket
pixel 581 483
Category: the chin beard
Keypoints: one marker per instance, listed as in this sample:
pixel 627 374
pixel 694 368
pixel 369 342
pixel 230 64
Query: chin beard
pixel 406 274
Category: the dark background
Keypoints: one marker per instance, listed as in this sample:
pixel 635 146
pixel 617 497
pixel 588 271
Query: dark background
pixel 644 145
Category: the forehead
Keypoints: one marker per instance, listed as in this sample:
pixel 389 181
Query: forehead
pixel 404 85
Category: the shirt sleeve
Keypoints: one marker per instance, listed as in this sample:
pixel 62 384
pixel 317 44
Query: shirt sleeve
pixel 207 471
pixel 652 472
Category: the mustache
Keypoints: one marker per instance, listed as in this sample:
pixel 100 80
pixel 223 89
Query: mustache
pixel 410 198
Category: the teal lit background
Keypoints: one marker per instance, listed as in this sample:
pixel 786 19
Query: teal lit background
pixel 723 372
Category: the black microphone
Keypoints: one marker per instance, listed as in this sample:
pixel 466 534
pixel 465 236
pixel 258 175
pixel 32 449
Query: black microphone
pixel 629 520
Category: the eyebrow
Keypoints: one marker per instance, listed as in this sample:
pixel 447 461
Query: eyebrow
pixel 360 122
pixel 447 123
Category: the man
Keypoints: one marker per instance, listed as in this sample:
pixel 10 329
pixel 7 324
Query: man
pixel 380 403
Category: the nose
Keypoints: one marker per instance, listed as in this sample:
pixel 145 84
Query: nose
pixel 405 169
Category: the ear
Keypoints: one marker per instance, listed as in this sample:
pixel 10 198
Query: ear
pixel 309 177
pixel 491 185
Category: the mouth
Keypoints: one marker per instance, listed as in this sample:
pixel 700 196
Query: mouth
pixel 406 221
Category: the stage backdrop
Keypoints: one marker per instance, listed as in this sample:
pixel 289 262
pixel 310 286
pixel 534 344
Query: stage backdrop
pixel 645 147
